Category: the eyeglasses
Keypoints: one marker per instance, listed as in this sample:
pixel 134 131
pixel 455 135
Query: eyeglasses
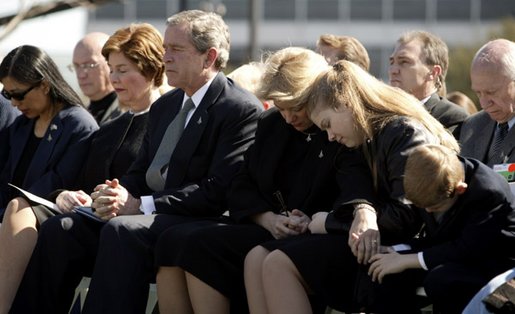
pixel 85 67
pixel 17 96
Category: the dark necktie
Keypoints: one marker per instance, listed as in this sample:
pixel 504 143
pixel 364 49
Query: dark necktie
pixel 154 175
pixel 496 147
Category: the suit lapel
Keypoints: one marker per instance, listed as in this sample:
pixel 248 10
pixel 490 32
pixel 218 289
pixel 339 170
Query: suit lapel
pixel 192 134
pixel 45 149
pixel 18 146
pixel 482 144
pixel 508 144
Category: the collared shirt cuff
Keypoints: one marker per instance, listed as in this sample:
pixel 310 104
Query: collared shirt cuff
pixel 401 247
pixel 420 256
pixel 147 206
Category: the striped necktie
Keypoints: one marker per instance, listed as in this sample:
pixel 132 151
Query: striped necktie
pixel 496 146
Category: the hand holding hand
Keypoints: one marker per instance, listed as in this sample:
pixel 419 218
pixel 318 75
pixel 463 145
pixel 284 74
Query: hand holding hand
pixel 364 238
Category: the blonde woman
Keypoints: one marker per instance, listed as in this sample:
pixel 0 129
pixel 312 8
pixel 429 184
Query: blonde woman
pixel 384 124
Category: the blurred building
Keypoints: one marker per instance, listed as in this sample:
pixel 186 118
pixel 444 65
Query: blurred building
pixel 280 23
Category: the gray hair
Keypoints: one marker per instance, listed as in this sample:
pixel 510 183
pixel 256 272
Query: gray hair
pixel 498 53
pixel 207 29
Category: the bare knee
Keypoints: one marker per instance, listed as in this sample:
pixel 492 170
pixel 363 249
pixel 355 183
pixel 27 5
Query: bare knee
pixel 15 205
pixel 255 257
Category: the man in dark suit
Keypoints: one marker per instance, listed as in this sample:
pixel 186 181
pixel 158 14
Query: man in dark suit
pixel 492 75
pixel 418 65
pixel 190 184
pixel 7 115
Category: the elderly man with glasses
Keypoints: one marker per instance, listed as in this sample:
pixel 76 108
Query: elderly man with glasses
pixel 92 74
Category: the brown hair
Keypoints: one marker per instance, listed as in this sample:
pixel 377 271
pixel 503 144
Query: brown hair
pixel 431 174
pixel 462 100
pixel 142 44
pixel 349 48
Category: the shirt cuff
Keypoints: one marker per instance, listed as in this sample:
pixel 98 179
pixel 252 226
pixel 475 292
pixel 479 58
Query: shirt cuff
pixel 420 256
pixel 401 247
pixel 147 206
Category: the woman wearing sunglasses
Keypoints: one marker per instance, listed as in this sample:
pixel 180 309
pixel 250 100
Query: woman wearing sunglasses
pixel 48 144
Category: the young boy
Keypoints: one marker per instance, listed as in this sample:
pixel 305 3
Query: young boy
pixel 468 235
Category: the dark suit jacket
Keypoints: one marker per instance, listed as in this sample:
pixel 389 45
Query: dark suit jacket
pixel 252 190
pixel 450 115
pixel 479 229
pixel 7 115
pixel 208 154
pixel 114 148
pixel 476 136
pixel 58 159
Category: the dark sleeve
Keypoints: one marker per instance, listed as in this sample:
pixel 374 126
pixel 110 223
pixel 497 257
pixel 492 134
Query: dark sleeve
pixel 486 228
pixel 356 187
pixel 7 115
pixel 397 219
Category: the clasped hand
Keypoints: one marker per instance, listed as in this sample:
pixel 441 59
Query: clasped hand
pixel 281 226
pixel 111 199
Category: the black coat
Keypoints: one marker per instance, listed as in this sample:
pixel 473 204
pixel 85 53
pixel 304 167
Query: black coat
pixel 208 154
pixel 314 188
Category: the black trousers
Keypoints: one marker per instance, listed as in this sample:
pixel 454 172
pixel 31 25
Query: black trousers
pixel 118 256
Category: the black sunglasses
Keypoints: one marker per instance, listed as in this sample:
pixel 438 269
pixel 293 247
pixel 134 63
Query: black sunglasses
pixel 18 96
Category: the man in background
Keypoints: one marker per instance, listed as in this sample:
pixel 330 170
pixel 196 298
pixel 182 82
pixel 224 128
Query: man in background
pixel 488 135
pixel 418 65
pixel 92 73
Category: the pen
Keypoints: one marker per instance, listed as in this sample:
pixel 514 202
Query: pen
pixel 284 209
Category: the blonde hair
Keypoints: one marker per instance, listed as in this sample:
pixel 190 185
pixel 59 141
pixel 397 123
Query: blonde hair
pixel 372 102
pixel 288 73
pixel 431 175
pixel 248 76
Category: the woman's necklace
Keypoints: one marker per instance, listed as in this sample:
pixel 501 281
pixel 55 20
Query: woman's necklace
pixel 308 138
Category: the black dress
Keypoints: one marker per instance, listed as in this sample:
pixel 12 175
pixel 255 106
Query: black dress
pixel 299 165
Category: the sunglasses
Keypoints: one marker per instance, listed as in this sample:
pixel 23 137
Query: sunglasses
pixel 17 96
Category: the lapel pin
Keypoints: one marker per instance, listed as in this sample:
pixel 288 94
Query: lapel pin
pixel 199 120
pixel 49 138
pixel 53 127
pixel 321 155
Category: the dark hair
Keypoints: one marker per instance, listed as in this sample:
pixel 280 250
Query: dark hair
pixel 30 65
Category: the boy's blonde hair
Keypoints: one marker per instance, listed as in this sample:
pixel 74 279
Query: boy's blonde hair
pixel 431 175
